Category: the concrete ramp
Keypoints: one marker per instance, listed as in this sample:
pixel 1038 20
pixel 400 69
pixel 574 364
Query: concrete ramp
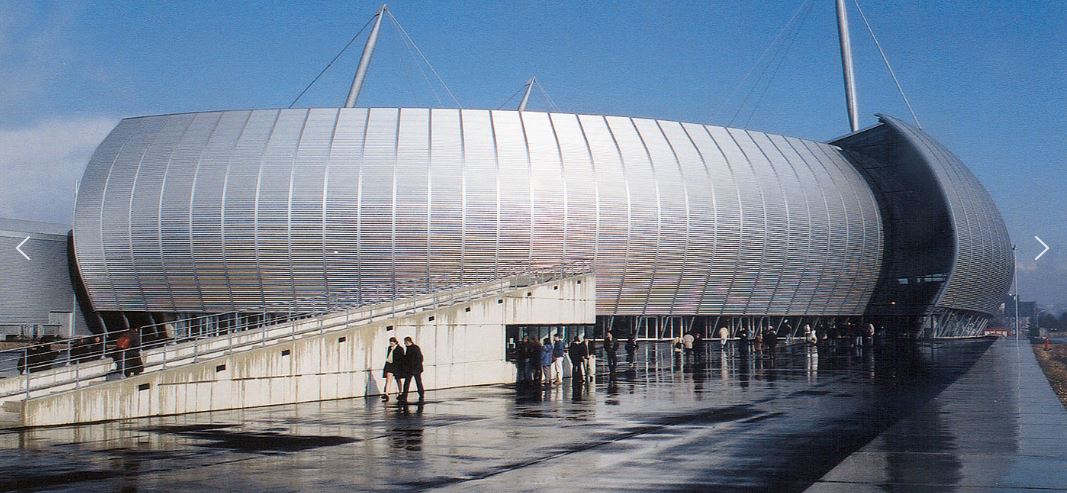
pixel 333 356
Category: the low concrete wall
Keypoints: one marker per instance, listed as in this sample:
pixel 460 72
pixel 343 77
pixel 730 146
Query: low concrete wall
pixel 463 345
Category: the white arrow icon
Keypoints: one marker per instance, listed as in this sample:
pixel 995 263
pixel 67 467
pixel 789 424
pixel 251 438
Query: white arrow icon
pixel 1042 251
pixel 19 247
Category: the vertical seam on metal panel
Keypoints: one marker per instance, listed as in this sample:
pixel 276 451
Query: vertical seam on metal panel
pixel 289 204
pixel 359 205
pixel 740 219
pixel 496 162
pixel 820 274
pixel 596 192
pixel 129 216
pixel 629 214
pixel 192 197
pixel 392 221
pixel 715 220
pixel 851 302
pixel 103 201
pixel 659 218
pixel 429 193
pixel 955 182
pixel 325 202
pixel 840 193
pixel 159 215
pixel 685 197
pixel 530 189
pixel 222 211
pixel 807 208
pixel 758 280
pixel 462 199
pixel 563 181
pixel 788 226
pixel 255 207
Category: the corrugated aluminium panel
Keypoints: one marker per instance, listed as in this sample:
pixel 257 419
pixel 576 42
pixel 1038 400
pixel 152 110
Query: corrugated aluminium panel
pixel 276 205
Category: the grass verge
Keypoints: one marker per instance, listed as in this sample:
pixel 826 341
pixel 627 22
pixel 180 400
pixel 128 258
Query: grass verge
pixel 1054 364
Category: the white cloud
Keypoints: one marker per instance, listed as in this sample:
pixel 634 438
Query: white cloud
pixel 40 163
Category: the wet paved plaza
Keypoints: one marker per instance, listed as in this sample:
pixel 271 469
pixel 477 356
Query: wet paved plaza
pixel 965 416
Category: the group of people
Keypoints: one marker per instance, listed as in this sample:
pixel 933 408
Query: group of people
pixel 403 363
pixel 766 339
pixel 124 349
pixel 541 362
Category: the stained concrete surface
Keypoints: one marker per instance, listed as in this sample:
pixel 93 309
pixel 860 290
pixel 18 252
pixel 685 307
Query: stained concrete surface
pixel 966 416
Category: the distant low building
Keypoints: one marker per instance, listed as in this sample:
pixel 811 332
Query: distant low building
pixel 36 293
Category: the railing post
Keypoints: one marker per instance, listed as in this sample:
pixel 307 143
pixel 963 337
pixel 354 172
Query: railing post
pixel 26 363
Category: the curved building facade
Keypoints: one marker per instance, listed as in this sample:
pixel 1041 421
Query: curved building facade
pixel 233 210
pixel 947 258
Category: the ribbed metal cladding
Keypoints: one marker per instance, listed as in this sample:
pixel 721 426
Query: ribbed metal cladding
pixel 983 268
pixel 219 211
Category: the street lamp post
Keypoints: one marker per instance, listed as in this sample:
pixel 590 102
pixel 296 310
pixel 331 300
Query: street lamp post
pixel 1015 261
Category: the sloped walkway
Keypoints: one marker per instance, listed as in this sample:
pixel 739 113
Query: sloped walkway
pixel 960 416
pixel 999 427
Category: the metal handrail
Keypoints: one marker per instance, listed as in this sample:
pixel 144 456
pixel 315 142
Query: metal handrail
pixel 270 322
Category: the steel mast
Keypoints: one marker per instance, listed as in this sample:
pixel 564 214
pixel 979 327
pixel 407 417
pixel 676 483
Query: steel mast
pixel 364 59
pixel 846 65
pixel 526 95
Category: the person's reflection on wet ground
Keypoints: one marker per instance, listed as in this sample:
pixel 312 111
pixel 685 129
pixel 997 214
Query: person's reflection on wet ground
pixel 743 369
pixel 612 390
pixel 407 434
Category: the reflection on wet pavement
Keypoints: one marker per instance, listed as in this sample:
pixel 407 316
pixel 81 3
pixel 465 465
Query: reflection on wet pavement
pixel 833 420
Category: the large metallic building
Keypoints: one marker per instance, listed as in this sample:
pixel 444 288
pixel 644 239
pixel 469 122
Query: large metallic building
pixel 234 210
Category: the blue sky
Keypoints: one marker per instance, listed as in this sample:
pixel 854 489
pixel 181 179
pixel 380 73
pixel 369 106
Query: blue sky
pixel 988 79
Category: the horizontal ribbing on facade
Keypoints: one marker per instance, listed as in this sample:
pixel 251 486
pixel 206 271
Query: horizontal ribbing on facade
pixel 208 212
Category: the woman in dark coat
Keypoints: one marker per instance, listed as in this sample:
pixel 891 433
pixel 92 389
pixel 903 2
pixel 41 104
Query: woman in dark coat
pixel 394 359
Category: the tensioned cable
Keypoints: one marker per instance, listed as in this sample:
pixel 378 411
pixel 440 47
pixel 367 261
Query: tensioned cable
pixel 328 65
pixel 759 61
pixel 781 59
pixel 548 98
pixel 412 78
pixel 885 59
pixel 404 33
pixel 505 103
pixel 415 60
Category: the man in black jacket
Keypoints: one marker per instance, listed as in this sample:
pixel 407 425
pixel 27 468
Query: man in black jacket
pixel 412 369
pixel 577 352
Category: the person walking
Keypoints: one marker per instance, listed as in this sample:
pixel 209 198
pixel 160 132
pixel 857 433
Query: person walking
pixel 724 337
pixel 546 362
pixel 558 349
pixel 687 345
pixel 771 340
pixel 631 350
pixel 590 359
pixel 577 353
pixel 742 338
pixel 412 369
pixel 393 356
pixel 611 349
